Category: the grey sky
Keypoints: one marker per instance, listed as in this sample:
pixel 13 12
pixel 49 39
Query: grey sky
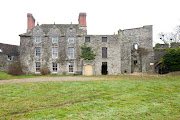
pixel 103 16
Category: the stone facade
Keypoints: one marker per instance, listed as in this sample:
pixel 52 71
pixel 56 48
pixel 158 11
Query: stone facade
pixel 58 48
pixel 8 54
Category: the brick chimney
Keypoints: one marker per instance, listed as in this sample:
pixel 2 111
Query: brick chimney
pixel 30 21
pixel 82 19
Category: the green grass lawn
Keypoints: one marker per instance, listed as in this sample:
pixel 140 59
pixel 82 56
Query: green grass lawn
pixel 120 97
pixel 5 76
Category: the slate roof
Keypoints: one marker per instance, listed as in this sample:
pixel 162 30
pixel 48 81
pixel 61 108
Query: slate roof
pixel 61 27
pixel 46 28
pixel 9 49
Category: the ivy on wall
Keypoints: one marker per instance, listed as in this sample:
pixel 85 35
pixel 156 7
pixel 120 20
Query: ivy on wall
pixel 87 53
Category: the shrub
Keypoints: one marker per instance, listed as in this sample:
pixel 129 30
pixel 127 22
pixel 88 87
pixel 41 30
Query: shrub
pixel 44 71
pixel 172 59
pixel 15 69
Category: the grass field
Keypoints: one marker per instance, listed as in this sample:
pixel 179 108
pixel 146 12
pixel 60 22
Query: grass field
pixel 5 76
pixel 119 97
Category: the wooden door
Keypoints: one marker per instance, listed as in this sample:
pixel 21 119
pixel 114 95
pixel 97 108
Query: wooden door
pixel 88 70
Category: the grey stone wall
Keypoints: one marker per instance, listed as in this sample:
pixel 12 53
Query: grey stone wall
pixel 8 50
pixel 120 51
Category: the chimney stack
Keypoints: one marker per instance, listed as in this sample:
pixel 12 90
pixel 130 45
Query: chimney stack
pixel 82 19
pixel 30 21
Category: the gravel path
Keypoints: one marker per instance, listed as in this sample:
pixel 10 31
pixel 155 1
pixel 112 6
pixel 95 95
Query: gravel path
pixel 43 79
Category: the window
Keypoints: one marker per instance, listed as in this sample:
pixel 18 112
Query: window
pixel 135 45
pixel 71 52
pixel 38 39
pixel 104 39
pixel 38 52
pixel 71 39
pixel 104 52
pixel 71 67
pixel 54 67
pixel 135 62
pixel 87 39
pixel 10 58
pixel 0 50
pixel 55 52
pixel 55 40
pixel 38 66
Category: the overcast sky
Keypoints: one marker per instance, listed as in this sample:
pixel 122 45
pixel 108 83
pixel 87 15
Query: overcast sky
pixel 103 16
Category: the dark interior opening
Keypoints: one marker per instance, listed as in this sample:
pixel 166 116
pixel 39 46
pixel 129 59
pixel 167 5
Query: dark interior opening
pixel 104 68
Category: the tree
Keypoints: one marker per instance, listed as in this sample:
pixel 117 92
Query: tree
pixel 87 53
pixel 172 59
pixel 174 36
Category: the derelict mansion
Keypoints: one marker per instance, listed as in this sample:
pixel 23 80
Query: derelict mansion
pixel 58 47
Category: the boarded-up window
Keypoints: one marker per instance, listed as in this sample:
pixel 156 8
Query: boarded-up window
pixel 104 39
pixel 104 52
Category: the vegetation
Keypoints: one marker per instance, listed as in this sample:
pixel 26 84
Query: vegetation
pixel 44 71
pixel 87 53
pixel 119 97
pixel 5 76
pixel 172 59
pixel 15 69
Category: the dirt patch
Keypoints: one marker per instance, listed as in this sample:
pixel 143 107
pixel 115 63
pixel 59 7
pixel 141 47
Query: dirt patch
pixel 44 79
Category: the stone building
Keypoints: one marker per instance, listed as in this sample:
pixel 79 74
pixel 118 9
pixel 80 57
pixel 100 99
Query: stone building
pixel 58 48
pixel 8 54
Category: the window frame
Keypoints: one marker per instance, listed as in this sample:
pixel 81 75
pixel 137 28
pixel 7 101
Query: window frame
pixel 71 53
pixel 38 53
pixel 54 52
pixel 38 39
pixel 71 67
pixel 71 40
pixel 55 39
pixel 38 67
pixel 104 39
pixel 54 67
pixel 104 54
pixel 87 40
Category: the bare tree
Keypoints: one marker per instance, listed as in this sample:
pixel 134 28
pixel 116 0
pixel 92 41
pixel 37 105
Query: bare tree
pixel 174 36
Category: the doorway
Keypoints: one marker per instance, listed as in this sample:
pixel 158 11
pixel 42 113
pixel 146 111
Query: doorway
pixel 88 70
pixel 104 68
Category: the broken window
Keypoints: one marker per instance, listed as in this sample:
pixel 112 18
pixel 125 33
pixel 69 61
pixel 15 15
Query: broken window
pixel 10 58
pixel 38 66
pixel 104 52
pixel 54 67
pixel 38 52
pixel 104 39
pixel 135 62
pixel 87 39
pixel 71 67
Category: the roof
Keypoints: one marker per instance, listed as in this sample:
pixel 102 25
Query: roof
pixel 46 28
pixel 9 49
pixel 61 27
